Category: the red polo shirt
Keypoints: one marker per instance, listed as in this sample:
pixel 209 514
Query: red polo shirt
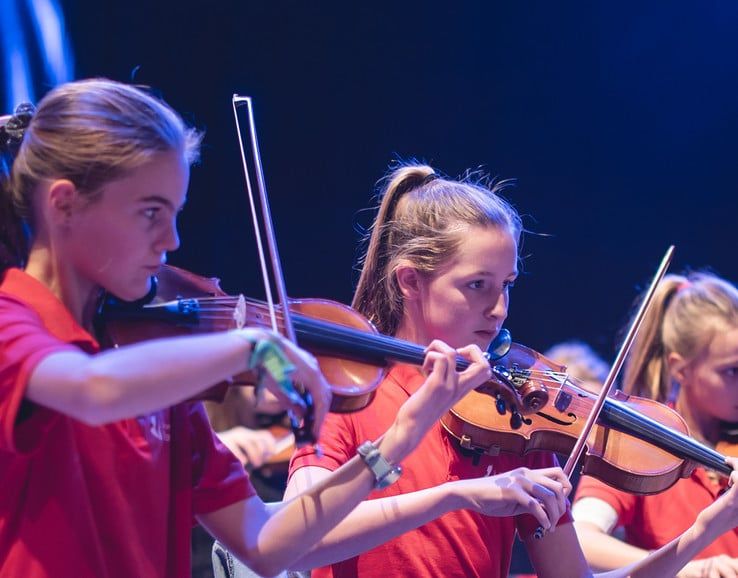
pixel 652 521
pixel 99 502
pixel 459 544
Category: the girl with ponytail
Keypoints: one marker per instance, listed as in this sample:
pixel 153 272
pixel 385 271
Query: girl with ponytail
pixel 441 259
pixel 686 354
pixel 103 460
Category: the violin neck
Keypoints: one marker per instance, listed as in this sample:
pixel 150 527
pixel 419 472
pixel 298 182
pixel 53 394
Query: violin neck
pixel 622 418
pixel 360 345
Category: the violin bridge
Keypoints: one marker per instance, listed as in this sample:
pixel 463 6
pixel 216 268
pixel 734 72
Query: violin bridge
pixel 239 312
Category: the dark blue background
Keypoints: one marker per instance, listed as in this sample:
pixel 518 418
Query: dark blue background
pixel 617 120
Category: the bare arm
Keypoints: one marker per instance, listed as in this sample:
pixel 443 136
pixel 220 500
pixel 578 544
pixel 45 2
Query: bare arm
pixel 373 522
pixel 558 554
pixel 718 518
pixel 136 379
pixel 257 533
pixel 603 551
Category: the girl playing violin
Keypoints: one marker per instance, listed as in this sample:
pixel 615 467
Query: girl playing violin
pixel 441 259
pixel 104 463
pixel 686 354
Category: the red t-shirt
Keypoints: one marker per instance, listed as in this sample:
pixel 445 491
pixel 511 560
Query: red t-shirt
pixel 460 543
pixel 652 521
pixel 100 502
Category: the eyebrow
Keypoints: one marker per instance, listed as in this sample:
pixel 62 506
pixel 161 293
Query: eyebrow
pixel 490 274
pixel 161 200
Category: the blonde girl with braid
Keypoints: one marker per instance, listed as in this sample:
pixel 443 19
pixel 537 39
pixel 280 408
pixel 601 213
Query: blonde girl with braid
pixel 441 260
pixel 686 355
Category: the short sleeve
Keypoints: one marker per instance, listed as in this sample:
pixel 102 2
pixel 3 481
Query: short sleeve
pixel 526 523
pixel 24 342
pixel 624 504
pixel 338 445
pixel 218 478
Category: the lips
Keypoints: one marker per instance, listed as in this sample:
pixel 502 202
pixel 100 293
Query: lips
pixel 487 332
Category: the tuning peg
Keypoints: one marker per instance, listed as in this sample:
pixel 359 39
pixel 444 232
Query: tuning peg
pixel 500 404
pixel 516 420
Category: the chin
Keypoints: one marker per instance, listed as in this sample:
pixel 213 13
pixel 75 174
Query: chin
pixel 730 417
pixel 482 342
pixel 132 292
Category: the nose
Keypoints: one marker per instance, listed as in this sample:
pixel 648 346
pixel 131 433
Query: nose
pixel 498 309
pixel 169 240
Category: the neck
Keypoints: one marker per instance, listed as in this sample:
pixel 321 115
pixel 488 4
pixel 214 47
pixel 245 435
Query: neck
pixel 78 295
pixel 705 429
pixel 410 331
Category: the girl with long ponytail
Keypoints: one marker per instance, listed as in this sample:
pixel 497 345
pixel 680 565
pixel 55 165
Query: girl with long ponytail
pixel 686 355
pixel 440 262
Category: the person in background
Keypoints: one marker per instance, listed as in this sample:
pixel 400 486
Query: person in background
pixel 581 362
pixel 685 355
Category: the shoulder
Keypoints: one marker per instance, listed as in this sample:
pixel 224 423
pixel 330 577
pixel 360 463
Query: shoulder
pixel 13 308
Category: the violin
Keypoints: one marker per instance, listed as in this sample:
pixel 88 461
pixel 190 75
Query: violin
pixel 352 355
pixel 530 403
pixel 182 303
pixel 637 445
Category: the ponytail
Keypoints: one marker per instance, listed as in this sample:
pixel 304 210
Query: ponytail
pixel 686 313
pixel 13 237
pixel 377 295
pixel 646 372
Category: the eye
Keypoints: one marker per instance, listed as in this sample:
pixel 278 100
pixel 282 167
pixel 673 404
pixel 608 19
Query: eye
pixel 731 372
pixel 477 284
pixel 509 284
pixel 151 213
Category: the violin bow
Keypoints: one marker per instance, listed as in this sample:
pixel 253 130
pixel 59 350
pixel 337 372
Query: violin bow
pixel 303 432
pixel 578 449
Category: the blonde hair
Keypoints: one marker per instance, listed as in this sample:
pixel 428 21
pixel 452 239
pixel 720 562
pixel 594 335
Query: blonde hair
pixel 580 360
pixel 685 314
pixel 90 132
pixel 418 222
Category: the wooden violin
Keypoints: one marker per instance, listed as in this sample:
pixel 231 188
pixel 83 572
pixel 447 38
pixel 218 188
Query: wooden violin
pixel 637 445
pixel 182 303
pixel 352 355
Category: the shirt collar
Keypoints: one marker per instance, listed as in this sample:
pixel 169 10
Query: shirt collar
pixel 55 316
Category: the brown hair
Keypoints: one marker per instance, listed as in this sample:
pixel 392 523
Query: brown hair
pixel 418 221
pixel 684 315
pixel 90 132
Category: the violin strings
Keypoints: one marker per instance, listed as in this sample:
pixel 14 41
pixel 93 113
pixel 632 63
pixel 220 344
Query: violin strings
pixel 374 342
pixel 221 309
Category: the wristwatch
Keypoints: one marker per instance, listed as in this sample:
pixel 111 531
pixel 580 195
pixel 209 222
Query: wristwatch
pixel 384 472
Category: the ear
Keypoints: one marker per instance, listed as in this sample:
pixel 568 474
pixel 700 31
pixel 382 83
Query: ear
pixel 63 197
pixel 409 281
pixel 677 367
